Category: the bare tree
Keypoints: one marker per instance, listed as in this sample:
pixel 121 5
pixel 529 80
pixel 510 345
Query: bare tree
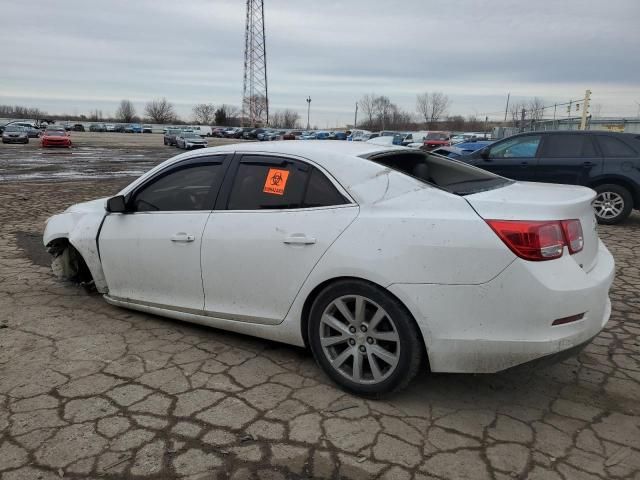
pixel 383 107
pixel 440 103
pixel 126 111
pixel 95 115
pixel 535 109
pixel 204 113
pixel 423 106
pixel 160 110
pixel 515 111
pixel 432 107
pixel 367 105
pixel 284 119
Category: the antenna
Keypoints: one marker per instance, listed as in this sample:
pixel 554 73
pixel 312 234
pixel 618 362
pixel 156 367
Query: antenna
pixel 255 98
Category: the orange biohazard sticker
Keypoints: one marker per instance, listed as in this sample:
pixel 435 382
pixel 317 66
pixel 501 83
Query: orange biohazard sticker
pixel 276 181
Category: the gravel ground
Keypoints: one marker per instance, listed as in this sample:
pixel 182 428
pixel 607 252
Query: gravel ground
pixel 89 391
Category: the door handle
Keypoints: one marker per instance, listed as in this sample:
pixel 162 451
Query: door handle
pixel 299 239
pixel 183 238
pixel 588 164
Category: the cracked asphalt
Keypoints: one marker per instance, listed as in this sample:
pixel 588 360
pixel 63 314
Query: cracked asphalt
pixel 91 391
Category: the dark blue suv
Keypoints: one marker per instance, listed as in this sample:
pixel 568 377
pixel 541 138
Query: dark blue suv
pixel 605 161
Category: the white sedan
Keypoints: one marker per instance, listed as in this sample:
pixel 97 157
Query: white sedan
pixel 383 260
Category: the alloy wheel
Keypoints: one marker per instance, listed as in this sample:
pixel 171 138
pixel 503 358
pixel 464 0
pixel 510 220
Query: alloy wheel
pixel 608 205
pixel 359 339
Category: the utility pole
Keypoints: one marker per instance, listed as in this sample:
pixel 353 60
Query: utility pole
pixel 506 109
pixel 355 119
pixel 555 106
pixel 522 114
pixel 308 112
pixel 585 109
pixel 486 119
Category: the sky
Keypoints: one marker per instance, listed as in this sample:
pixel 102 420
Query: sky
pixel 73 56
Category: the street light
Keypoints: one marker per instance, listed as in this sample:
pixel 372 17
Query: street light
pixel 308 112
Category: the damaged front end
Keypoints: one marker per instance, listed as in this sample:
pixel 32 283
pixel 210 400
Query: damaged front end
pixel 67 264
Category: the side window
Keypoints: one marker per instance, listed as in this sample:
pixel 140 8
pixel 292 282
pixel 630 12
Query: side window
pixel 614 147
pixel 560 146
pixel 268 185
pixel 321 192
pixel 184 189
pixel 520 147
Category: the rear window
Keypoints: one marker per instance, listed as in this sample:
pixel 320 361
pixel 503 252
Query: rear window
pixel 614 147
pixel 445 173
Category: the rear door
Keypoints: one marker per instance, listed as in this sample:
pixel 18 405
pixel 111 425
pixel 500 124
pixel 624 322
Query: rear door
pixel 275 219
pixel 568 158
pixel 514 158
pixel 619 158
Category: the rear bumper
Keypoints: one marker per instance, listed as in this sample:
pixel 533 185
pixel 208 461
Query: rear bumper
pixel 508 320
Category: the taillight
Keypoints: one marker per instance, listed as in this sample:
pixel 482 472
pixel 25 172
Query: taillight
pixel 539 240
pixel 573 234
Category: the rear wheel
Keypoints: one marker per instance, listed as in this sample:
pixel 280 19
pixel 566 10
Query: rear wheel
pixel 612 204
pixel 363 338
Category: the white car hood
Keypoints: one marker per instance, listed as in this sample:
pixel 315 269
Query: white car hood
pixel 97 205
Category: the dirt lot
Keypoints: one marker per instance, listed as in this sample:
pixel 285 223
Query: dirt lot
pixel 89 391
pixel 94 155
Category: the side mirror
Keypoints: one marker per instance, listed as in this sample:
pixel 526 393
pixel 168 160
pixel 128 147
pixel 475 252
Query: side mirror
pixel 116 204
pixel 484 154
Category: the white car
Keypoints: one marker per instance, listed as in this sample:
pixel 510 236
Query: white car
pixel 375 257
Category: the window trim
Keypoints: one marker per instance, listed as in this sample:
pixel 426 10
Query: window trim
pixel 224 195
pixel 219 159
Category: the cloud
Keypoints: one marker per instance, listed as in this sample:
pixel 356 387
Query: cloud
pixel 75 54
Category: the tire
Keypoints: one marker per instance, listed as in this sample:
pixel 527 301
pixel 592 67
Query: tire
pixel 613 204
pixel 165 142
pixel 395 335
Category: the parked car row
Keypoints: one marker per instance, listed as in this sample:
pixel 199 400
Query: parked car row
pixel 184 138
pixel 53 136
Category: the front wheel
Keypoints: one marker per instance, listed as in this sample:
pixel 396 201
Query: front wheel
pixel 364 339
pixel 612 204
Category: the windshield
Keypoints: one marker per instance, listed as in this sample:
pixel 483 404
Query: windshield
pixel 14 128
pixel 55 133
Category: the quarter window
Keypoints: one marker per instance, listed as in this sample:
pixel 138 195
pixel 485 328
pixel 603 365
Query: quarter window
pixel 184 189
pixel 321 192
pixel 520 147
pixel 613 147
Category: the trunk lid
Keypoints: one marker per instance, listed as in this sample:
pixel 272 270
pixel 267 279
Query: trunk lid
pixel 543 201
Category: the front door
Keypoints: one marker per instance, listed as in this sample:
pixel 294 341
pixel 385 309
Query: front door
pixel 278 218
pixel 151 254
pixel 512 158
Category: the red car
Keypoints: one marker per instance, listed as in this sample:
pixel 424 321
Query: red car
pixel 437 139
pixel 55 138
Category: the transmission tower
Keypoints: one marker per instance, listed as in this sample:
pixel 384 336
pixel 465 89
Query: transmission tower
pixel 255 99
